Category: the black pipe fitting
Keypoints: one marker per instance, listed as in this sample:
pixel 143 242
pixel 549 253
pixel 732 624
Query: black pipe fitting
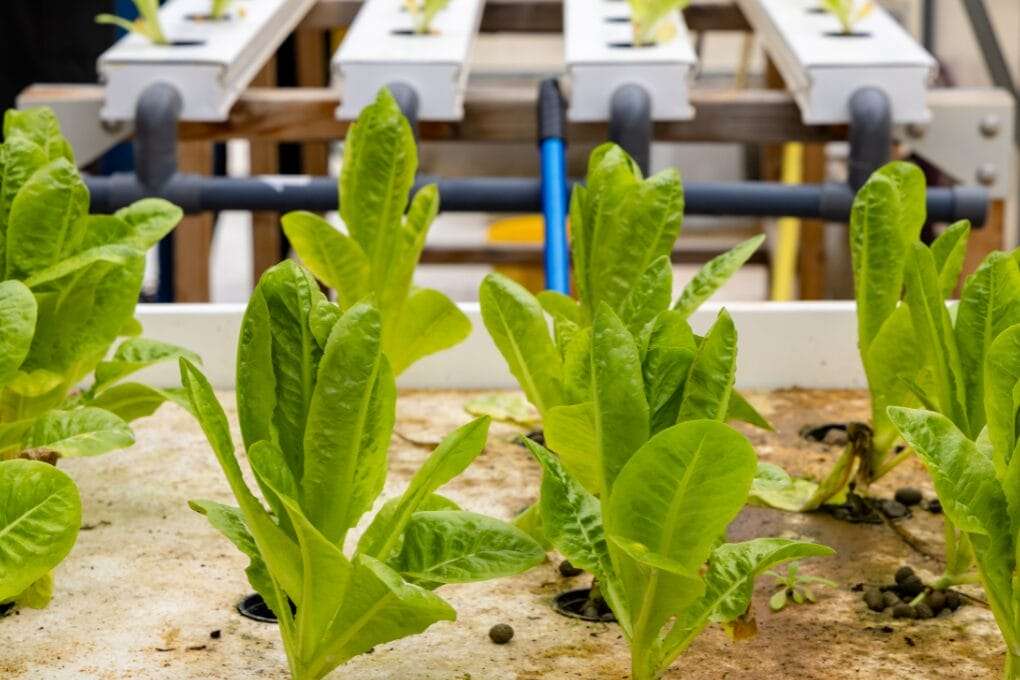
pixel 407 101
pixel 630 123
pixel 552 122
pixel 155 143
pixel 870 134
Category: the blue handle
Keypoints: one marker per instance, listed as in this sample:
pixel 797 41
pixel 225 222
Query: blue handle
pixel 554 210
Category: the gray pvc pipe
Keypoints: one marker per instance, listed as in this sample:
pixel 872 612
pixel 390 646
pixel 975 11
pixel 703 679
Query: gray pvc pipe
pixel 155 141
pixel 630 123
pixel 870 134
pixel 830 201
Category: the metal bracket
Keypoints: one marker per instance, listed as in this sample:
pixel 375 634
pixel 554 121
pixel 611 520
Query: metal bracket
pixel 970 137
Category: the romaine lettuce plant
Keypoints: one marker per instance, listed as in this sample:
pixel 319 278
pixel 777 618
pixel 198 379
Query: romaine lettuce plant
pixel 72 282
pixel 622 230
pixel 848 12
pixel 914 350
pixel 146 25
pixel 219 8
pixel 645 479
pixel 646 20
pixel 423 12
pixel 644 483
pixel 40 513
pixel 316 400
pixel 978 481
pixel 377 257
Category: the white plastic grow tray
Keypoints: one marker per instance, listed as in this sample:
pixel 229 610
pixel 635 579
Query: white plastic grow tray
pixel 380 48
pixel 823 69
pixel 211 62
pixel 781 344
pixel 600 59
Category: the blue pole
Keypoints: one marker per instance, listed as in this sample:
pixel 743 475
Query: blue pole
pixel 552 145
pixel 554 210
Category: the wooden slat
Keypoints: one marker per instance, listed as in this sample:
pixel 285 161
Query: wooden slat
pixel 308 114
pixel 984 241
pixel 495 113
pixel 193 236
pixel 536 16
pixel 812 256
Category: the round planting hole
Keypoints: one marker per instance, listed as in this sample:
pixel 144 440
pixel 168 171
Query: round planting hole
pixel 577 604
pixel 630 45
pixel 851 34
pixel 820 433
pixel 208 17
pixel 256 609
pixel 186 43
pixel 816 10
pixel 617 20
pixel 6 607
pixel 411 33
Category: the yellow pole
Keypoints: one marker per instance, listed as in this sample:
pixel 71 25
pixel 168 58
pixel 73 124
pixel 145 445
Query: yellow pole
pixel 784 263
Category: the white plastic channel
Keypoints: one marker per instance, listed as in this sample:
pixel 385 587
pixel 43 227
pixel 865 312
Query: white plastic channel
pixel 600 58
pixel 823 68
pixel 211 63
pixel 380 48
pixel 781 344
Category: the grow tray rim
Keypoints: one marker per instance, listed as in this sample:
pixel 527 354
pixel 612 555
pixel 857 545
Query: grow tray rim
pixel 781 344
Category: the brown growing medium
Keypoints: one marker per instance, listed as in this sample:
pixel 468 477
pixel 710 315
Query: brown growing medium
pixel 144 590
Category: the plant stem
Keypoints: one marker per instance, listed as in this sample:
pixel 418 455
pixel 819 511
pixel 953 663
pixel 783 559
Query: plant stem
pixel 1012 670
pixel 950 580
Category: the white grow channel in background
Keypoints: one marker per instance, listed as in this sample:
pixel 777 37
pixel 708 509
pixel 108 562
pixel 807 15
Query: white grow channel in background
pixel 600 58
pixel 380 48
pixel 211 63
pixel 823 68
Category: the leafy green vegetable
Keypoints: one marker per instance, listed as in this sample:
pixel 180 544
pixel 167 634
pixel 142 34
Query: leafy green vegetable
pixel 423 12
pixel 646 20
pixel 657 526
pixel 795 587
pixel 848 12
pixel 71 282
pixel 623 229
pixel 980 495
pixel 40 513
pixel 914 351
pixel 377 257
pixel 316 403
pixel 219 8
pixel 146 25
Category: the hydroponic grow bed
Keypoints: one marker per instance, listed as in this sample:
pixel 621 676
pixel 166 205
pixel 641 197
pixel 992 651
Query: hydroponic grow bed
pixel 149 591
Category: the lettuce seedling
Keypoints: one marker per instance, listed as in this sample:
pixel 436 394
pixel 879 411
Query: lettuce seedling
pixel 146 25
pixel 645 479
pixel 914 351
pixel 316 401
pixel 646 20
pixel 622 230
pixel 977 482
pixel 377 257
pixel 848 12
pixel 72 282
pixel 219 8
pixel 423 12
pixel 795 586
pixel 40 512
